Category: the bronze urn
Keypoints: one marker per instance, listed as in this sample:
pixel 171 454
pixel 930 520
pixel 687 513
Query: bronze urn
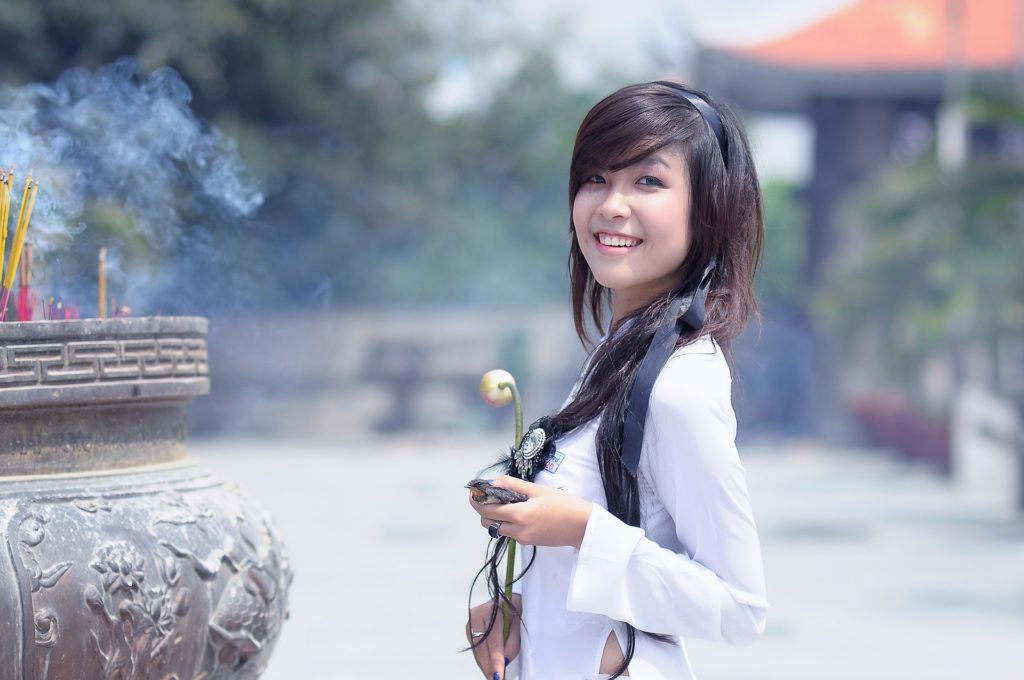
pixel 122 558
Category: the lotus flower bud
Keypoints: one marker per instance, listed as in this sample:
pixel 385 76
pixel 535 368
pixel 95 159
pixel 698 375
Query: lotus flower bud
pixel 495 387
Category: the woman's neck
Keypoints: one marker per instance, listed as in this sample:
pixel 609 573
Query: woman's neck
pixel 625 301
pixel 624 304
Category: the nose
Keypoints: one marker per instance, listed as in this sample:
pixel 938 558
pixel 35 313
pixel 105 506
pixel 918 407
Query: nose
pixel 615 205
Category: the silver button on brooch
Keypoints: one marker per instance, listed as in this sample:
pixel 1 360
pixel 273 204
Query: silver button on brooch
pixel 531 445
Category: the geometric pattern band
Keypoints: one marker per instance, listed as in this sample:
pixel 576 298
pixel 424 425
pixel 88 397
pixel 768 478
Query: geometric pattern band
pixel 91 361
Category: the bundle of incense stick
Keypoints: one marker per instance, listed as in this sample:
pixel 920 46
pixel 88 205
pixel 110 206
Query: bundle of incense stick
pixel 55 312
pixel 28 200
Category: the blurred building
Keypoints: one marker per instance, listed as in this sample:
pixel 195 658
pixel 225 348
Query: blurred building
pixel 873 79
pixel 880 82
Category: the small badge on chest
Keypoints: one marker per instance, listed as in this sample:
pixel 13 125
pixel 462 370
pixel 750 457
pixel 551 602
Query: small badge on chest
pixel 554 461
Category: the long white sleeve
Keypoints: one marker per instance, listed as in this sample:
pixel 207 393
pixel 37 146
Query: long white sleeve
pixel 704 578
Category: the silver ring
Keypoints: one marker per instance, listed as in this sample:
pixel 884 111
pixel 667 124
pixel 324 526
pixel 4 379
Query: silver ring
pixel 493 529
pixel 479 634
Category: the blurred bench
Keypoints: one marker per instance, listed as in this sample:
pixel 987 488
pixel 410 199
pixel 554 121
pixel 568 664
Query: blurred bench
pixel 411 367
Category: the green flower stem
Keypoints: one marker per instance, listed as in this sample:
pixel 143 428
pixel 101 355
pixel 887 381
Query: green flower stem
pixel 517 403
pixel 510 561
pixel 509 576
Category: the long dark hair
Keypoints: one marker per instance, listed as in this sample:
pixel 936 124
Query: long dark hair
pixel 726 226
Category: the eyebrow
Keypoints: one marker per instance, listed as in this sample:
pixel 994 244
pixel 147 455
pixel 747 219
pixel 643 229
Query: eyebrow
pixel 655 159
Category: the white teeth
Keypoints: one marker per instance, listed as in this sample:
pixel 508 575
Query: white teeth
pixel 618 241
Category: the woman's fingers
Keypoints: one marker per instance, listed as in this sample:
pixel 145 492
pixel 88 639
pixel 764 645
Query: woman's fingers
pixel 516 484
pixel 512 644
pixel 503 513
pixel 497 651
pixel 486 523
pixel 481 653
pixel 509 529
pixel 490 655
pixel 503 650
pixel 510 647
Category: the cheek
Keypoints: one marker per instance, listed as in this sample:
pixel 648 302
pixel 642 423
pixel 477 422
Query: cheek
pixel 579 218
pixel 680 240
pixel 581 227
pixel 676 229
pixel 680 246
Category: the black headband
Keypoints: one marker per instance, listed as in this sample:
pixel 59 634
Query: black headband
pixel 708 113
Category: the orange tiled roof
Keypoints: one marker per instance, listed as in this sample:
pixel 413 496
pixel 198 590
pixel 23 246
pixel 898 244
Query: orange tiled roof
pixel 896 34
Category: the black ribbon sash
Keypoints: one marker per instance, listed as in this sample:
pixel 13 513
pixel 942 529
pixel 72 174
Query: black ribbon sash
pixel 686 311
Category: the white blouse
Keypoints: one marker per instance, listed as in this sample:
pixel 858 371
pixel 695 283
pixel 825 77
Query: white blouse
pixel 693 570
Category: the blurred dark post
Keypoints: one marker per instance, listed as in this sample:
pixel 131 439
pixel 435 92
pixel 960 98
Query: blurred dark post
pixel 1017 88
pixel 1018 47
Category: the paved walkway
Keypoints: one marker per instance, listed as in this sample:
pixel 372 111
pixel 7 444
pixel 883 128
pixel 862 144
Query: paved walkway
pixel 875 569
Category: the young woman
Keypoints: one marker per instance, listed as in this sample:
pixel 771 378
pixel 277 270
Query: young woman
pixel 638 514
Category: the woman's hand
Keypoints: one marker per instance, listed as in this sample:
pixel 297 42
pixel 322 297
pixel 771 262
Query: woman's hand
pixel 491 653
pixel 550 517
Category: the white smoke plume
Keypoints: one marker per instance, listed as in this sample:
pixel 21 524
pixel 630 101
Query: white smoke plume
pixel 120 136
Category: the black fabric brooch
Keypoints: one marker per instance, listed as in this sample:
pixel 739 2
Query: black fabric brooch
pixel 533 451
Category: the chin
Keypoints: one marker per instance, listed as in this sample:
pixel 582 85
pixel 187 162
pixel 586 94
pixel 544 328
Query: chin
pixel 608 282
pixel 614 283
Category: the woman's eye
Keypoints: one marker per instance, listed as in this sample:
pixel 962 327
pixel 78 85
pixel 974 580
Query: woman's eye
pixel 649 181
pixel 595 179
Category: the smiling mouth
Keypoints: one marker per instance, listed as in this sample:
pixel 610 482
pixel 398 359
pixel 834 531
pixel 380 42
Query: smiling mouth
pixel 617 241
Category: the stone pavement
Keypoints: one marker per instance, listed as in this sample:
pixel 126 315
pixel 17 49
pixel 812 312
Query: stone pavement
pixel 875 569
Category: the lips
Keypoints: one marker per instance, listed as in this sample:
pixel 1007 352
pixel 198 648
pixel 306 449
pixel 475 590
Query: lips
pixel 619 242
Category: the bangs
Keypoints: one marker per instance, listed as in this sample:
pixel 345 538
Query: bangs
pixel 619 152
pixel 624 131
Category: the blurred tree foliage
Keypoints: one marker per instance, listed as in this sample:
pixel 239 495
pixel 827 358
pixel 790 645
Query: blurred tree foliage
pixel 934 258
pixel 780 277
pixel 370 200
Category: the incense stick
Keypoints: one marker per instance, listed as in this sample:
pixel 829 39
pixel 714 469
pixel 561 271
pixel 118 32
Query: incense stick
pixel 103 283
pixel 19 236
pixel 5 210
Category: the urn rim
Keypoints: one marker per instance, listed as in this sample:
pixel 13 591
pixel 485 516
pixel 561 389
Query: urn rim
pixel 71 329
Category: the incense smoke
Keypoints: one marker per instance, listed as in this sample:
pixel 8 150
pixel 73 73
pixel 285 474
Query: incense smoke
pixel 124 142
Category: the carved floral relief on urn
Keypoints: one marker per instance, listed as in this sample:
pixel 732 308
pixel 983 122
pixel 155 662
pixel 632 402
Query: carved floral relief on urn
pixel 123 559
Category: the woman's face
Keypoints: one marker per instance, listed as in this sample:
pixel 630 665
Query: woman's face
pixel 633 227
